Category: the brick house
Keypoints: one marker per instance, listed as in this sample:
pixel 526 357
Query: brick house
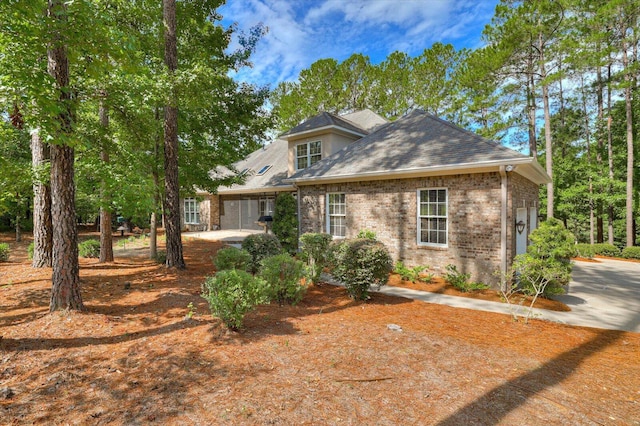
pixel 433 193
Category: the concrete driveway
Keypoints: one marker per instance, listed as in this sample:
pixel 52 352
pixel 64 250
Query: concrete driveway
pixel 605 294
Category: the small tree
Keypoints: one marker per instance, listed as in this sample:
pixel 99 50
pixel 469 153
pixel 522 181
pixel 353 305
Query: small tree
pixel 548 260
pixel 285 221
pixel 315 248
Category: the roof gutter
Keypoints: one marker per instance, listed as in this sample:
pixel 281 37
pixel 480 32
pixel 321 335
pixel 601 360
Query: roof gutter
pixel 297 135
pixel 537 174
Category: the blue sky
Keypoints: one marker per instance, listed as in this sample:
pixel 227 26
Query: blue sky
pixel 303 31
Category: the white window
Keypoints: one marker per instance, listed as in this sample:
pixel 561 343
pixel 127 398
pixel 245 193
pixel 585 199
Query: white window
pixel 307 154
pixel 191 211
pixel 337 215
pixel 265 206
pixel 432 217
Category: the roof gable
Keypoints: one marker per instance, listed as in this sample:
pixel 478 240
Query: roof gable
pixel 324 120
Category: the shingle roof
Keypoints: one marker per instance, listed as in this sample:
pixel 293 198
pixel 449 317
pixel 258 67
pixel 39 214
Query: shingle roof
pixel 276 155
pixel 322 120
pixel 415 142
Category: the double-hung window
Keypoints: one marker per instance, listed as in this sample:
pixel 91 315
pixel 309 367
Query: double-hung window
pixel 337 215
pixel 307 154
pixel 432 217
pixel 191 211
pixel 265 206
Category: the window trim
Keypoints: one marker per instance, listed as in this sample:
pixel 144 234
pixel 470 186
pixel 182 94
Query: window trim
pixel 195 212
pixel 419 223
pixel 329 215
pixel 308 154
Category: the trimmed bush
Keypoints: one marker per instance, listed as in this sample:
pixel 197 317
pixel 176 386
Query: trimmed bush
pixel 89 248
pixel 30 249
pixel 285 221
pixel 231 258
pixel 282 274
pixel 231 294
pixel 631 252
pixel 315 248
pixel 361 263
pixel 546 267
pixel 4 252
pixel 585 250
pixel 259 247
pixel 604 249
pixel 161 257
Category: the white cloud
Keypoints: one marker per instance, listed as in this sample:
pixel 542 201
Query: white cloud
pixel 303 31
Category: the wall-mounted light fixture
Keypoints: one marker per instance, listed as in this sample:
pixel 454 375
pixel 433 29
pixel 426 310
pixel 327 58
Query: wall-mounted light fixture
pixel 520 226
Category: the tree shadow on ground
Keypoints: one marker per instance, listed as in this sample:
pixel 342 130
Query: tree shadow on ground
pixel 495 405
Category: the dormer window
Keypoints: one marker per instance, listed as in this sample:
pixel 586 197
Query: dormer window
pixel 307 154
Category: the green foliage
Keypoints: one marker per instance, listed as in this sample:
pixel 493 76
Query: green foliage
pixel 89 248
pixel 282 274
pixel 232 258
pixel 259 247
pixel 315 248
pixel 367 234
pixel 546 267
pixel 585 250
pixel 4 252
pixel 604 249
pixel 457 278
pixel 361 263
pixel 285 221
pixel 231 294
pixel 631 252
pixel 411 274
pixel 161 257
pixel 30 249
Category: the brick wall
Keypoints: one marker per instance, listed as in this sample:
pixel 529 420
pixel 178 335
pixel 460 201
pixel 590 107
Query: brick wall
pixel 388 207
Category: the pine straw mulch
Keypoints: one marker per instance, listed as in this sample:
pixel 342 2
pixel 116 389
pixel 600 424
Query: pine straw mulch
pixel 135 358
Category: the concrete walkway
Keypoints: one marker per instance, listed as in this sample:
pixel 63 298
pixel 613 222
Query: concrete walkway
pixel 602 295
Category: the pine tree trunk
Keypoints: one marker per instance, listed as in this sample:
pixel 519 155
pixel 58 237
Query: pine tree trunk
pixel 18 220
pixel 172 187
pixel 42 227
pixel 65 290
pixel 629 122
pixel 610 209
pixel 547 130
pixel 106 236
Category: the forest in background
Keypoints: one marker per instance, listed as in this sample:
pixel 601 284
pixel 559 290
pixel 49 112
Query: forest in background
pixel 120 107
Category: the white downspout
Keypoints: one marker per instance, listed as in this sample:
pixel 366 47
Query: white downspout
pixel 503 226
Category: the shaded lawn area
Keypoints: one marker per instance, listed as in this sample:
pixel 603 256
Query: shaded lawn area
pixel 134 358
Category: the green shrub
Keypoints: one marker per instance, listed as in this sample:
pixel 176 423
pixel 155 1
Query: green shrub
pixel 282 274
pixel 315 251
pixel 231 258
pixel 631 252
pixel 285 221
pixel 361 263
pixel 546 267
pixel 604 249
pixel 231 294
pixel 89 248
pixel 30 249
pixel 260 246
pixel 457 278
pixel 367 234
pixel 161 257
pixel 412 274
pixel 4 252
pixel 585 250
